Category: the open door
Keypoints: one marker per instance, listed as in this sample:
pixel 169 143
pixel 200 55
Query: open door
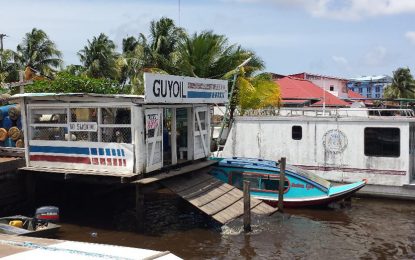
pixel 201 133
pixel 154 138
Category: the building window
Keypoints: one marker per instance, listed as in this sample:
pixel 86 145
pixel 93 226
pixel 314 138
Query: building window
pixel 377 89
pixel 297 132
pixel 369 95
pixel 360 90
pixel 382 142
pixel 331 88
pixel 377 95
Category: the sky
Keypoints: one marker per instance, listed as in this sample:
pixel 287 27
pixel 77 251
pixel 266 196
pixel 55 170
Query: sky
pixel 342 38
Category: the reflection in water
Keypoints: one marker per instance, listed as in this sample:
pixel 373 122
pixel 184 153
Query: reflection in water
pixel 370 229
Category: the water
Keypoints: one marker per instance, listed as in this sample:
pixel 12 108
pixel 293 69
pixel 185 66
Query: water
pixel 369 229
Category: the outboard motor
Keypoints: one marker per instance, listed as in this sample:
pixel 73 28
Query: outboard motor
pixel 47 214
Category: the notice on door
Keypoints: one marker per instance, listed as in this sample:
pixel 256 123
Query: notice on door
pixel 83 127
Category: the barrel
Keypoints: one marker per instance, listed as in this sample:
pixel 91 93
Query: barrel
pixel 3 134
pixel 14 112
pixel 14 133
pixel 7 123
pixel 20 143
pixel 4 111
pixel 9 143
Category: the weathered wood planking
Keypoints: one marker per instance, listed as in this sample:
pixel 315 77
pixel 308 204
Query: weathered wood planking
pixel 217 199
pixel 76 172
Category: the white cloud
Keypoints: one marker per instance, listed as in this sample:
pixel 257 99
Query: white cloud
pixel 376 56
pixel 345 9
pixel 410 36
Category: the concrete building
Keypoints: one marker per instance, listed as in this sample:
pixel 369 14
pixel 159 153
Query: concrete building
pixel 335 86
pixel 369 86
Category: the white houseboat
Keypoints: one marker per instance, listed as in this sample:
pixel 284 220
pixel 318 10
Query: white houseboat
pixel 121 134
pixel 343 145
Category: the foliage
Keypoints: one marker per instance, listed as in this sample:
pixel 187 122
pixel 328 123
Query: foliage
pixel 100 58
pixel 64 82
pixel 402 86
pixel 9 70
pixel 38 52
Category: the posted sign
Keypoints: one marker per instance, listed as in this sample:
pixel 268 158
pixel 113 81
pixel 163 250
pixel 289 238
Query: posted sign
pixel 83 126
pixel 160 88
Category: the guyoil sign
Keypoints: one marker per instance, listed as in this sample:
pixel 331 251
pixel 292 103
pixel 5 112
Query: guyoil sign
pixel 161 88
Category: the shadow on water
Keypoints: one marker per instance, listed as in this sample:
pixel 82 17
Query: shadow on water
pixel 369 229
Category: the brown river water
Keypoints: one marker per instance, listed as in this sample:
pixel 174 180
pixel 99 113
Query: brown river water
pixel 369 229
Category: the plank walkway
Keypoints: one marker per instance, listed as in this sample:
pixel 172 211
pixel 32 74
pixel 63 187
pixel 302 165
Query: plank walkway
pixel 221 201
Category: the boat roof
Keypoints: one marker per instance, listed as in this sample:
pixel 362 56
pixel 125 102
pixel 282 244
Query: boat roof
pixel 76 94
pixel 261 164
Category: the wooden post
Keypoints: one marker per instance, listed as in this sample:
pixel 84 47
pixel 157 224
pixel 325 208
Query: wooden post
pixel 247 207
pixel 139 206
pixel 281 186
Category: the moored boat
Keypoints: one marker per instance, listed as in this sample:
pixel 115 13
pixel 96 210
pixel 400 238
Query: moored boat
pixel 42 225
pixel 301 187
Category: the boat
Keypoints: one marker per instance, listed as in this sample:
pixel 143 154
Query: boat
pixel 301 187
pixel 342 145
pixel 42 225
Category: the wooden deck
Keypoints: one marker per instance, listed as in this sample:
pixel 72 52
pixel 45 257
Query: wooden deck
pixel 219 200
pixel 176 172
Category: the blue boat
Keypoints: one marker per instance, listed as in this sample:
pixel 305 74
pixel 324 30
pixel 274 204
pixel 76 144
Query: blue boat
pixel 301 187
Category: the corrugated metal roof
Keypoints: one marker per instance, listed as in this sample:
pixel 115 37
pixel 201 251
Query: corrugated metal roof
pixel 372 78
pixel 300 88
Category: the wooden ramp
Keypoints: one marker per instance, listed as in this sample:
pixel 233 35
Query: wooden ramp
pixel 217 199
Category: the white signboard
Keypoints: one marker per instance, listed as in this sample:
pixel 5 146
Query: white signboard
pixel 83 126
pixel 161 88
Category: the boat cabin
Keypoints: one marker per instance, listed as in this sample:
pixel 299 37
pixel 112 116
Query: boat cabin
pixel 342 145
pixel 122 134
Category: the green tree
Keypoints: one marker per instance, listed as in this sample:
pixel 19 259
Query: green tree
pixel 65 82
pixel 9 70
pixel 100 58
pixel 38 52
pixel 402 86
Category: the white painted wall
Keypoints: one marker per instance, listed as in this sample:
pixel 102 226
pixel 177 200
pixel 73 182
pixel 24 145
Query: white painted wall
pixel 271 138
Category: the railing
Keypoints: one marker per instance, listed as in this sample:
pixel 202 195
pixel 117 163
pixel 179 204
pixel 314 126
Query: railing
pixel 339 112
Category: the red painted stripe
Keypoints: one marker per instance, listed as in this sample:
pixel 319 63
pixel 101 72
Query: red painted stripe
pixel 120 162
pixel 109 161
pixel 115 162
pixel 102 161
pixel 124 162
pixel 67 159
pixel 95 161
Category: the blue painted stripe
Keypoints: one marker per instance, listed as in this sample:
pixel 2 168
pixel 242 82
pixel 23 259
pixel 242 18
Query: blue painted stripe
pixel 118 152
pixel 101 151
pixel 113 152
pixel 122 152
pixel 108 152
pixel 204 94
pixel 94 151
pixel 59 149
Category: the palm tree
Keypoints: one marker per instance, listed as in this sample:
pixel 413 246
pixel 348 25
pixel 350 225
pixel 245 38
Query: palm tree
pixel 38 52
pixel 402 86
pixel 9 70
pixel 100 58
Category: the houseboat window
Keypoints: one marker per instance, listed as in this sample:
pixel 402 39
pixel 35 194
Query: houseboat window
pixel 382 142
pixel 49 116
pixel 273 184
pixel 297 132
pixel 331 87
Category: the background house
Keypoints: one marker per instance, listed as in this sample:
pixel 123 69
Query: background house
pixel 370 86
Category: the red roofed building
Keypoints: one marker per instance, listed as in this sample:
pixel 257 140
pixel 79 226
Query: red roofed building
pixel 294 89
pixel 354 96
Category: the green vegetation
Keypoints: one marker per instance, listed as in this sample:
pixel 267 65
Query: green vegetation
pixel 403 85
pixel 166 49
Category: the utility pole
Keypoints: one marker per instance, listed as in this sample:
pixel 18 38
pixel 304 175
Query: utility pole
pixel 2 35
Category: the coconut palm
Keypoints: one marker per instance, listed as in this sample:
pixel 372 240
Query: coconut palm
pixel 402 86
pixel 38 52
pixel 8 68
pixel 100 58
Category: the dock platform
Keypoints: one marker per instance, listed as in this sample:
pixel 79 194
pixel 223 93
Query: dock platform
pixel 221 201
pixel 21 248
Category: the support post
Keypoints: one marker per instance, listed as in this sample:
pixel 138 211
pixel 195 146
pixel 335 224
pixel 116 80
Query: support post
pixel 281 184
pixel 139 207
pixel 247 207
